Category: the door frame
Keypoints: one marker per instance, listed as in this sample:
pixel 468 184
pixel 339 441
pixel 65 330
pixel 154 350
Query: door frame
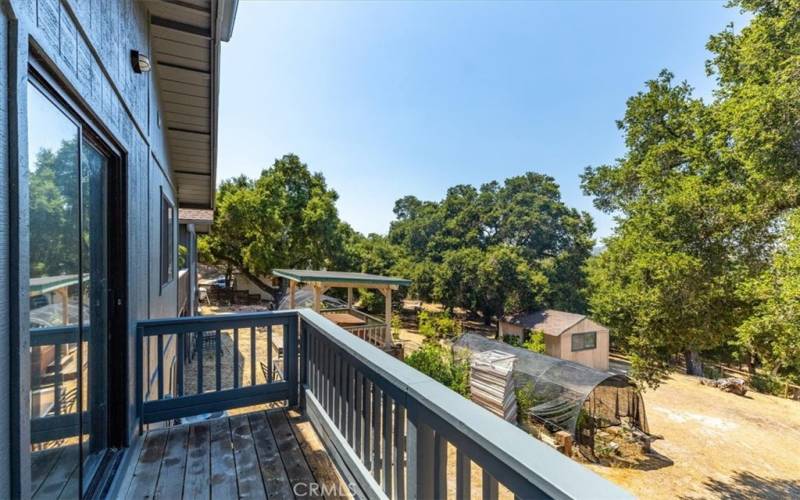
pixel 90 128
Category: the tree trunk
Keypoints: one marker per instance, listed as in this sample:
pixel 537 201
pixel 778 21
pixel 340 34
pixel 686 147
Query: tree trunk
pixel 751 365
pixel 693 364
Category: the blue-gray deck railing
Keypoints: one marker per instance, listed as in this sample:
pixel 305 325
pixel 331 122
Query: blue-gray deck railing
pixel 61 421
pixel 387 424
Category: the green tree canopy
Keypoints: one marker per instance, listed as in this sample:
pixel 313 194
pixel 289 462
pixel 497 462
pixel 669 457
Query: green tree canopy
pixel 699 193
pixel 285 218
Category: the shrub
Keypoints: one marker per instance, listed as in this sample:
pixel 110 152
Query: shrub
pixel 535 342
pixel 512 340
pixel 438 325
pixel 439 363
pixel 767 384
pixel 397 323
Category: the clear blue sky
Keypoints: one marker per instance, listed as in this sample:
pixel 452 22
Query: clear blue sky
pixel 390 99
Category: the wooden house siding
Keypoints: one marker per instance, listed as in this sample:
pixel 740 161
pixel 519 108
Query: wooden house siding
pixel 85 46
pixel 5 312
pixel 596 358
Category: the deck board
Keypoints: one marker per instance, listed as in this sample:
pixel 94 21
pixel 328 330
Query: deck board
pixel 247 470
pixel 173 464
pixel 293 459
pixel 198 467
pixel 257 455
pixel 223 467
pixel 269 459
pixel 148 466
pixel 317 458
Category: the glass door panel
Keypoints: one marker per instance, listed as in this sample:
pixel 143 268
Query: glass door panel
pixel 68 231
pixel 94 292
pixel 55 308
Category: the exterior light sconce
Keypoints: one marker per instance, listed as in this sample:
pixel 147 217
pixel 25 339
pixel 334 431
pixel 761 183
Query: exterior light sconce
pixel 140 62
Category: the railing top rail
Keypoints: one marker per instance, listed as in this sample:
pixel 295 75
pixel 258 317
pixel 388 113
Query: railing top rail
pixel 530 459
pixel 217 321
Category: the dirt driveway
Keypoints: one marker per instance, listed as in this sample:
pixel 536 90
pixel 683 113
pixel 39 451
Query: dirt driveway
pixel 717 445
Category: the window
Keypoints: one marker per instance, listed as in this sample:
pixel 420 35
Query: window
pixel 167 240
pixel 584 341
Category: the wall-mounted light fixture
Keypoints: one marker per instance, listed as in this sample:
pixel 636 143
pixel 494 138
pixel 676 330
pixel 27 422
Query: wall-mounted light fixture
pixel 140 62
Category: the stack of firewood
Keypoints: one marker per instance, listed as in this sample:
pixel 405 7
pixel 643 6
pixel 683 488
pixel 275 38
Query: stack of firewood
pixel 491 384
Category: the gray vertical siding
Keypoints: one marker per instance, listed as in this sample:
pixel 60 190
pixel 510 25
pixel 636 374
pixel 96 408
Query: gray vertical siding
pixel 86 44
pixel 5 312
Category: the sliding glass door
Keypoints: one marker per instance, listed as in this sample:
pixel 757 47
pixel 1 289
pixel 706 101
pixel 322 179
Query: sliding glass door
pixel 69 309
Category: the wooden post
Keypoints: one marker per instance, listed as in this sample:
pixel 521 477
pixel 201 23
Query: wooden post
pixel 292 287
pixel 349 297
pixel 387 293
pixel 64 292
pixel 317 297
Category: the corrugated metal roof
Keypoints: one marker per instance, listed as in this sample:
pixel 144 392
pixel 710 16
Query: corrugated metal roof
pixel 306 276
pixel 549 321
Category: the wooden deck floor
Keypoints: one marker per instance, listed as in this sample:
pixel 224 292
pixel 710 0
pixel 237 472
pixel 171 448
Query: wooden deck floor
pixel 266 454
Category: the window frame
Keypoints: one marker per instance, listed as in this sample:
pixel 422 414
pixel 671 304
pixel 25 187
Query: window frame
pixel 583 336
pixel 167 260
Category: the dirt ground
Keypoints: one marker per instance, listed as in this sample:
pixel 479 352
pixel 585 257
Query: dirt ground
pixel 716 445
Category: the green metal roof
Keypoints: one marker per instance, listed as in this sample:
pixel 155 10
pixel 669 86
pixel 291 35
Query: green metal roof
pixel 44 284
pixel 307 276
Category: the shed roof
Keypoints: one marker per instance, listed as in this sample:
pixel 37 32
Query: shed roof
pixel 308 276
pixel 549 321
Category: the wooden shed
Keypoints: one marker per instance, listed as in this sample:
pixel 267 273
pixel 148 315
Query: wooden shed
pixel 569 336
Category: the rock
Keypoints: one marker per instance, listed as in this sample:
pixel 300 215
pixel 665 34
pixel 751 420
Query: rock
pixel 735 385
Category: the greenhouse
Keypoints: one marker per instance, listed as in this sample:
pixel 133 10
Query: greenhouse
pixel 562 395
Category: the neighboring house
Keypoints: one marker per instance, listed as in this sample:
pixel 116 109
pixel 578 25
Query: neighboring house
pixel 108 131
pixel 242 282
pixel 569 336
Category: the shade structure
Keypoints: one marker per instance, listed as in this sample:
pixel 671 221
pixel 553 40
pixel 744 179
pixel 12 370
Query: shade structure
pixel 567 396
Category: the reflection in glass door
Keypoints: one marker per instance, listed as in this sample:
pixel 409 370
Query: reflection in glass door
pixel 67 181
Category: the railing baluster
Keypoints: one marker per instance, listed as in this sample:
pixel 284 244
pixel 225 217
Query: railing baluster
pixel 376 433
pixel 253 355
pixel 235 358
pixel 198 346
pixel 181 348
pixel 399 450
pixel 219 360
pixel 359 414
pixel 315 363
pixel 290 356
pixel 160 365
pixel 367 403
pixel 270 375
pixel 57 380
pixel 440 466
pixel 330 380
pixel 387 445
pixel 343 371
pixel 351 388
pixel 337 391
pixel 419 474
pixel 463 475
pixel 489 486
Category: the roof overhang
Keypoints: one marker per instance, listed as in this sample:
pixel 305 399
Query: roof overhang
pixel 186 36
pixel 201 218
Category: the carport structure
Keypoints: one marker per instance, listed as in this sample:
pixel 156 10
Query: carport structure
pixel 320 281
